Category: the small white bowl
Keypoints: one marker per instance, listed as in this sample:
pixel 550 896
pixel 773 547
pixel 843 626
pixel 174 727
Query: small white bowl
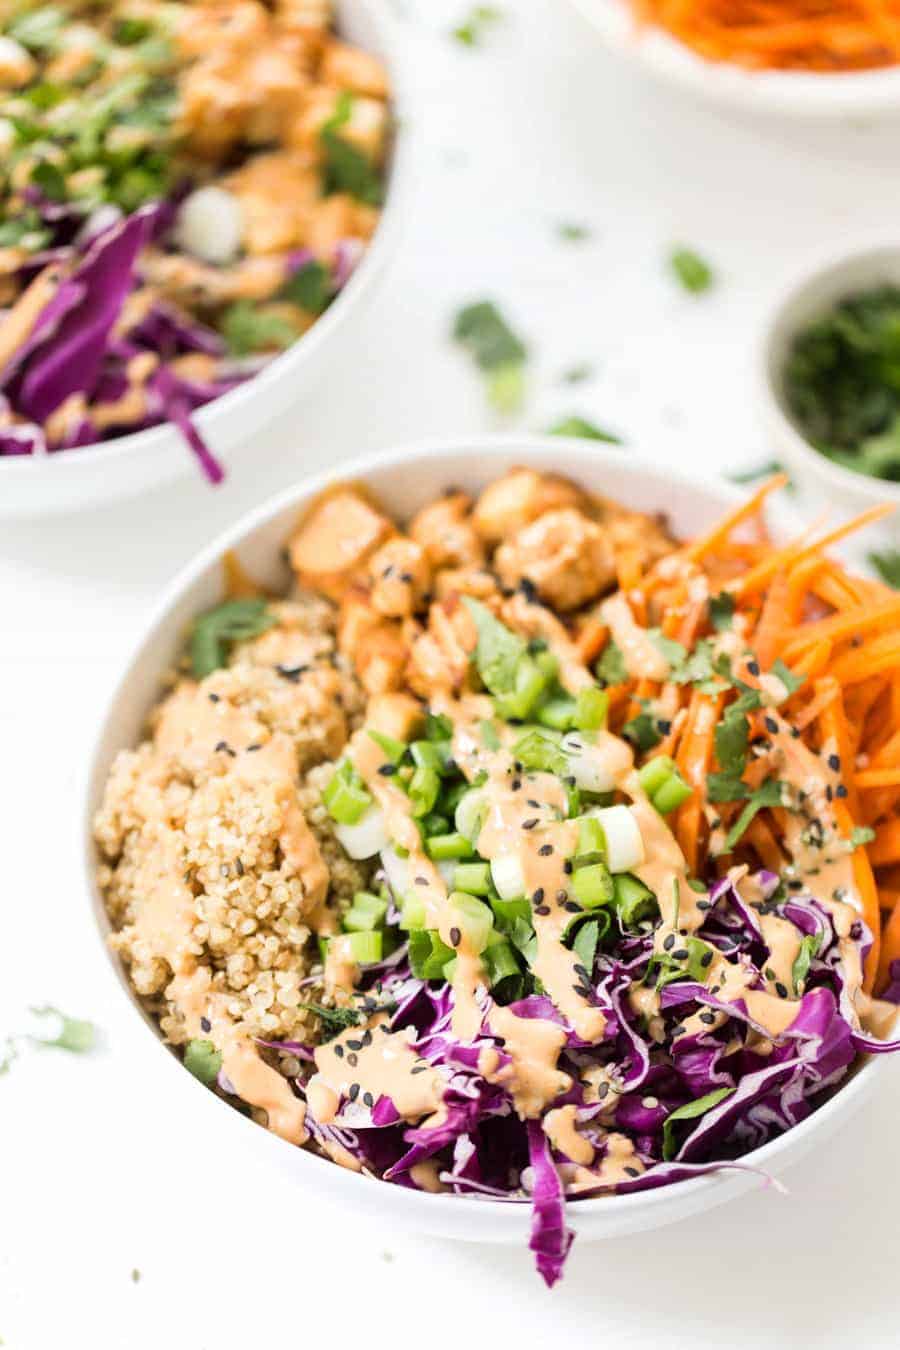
pixel 858 94
pixel 403 480
pixel 801 302
pixel 32 486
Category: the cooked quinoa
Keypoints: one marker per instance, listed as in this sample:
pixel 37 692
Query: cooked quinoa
pixel 250 907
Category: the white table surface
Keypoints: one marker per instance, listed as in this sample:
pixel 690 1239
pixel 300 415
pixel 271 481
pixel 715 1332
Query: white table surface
pixel 536 127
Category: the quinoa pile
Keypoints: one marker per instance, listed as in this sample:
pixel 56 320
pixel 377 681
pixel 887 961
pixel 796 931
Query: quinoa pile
pixel 172 797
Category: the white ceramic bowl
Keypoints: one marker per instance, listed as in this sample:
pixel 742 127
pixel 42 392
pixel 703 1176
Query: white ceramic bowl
pixel 864 94
pixel 802 300
pixel 403 480
pixel 32 486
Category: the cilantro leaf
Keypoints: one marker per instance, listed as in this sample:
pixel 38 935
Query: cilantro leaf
pixel 214 631
pixel 787 677
pixel 752 475
pixel 333 1020
pixel 345 168
pixel 694 273
pixel 499 651
pixel 309 287
pixel 809 947
pixel 768 794
pixel 641 730
pixel 203 1060
pixel 721 611
pixel 611 668
pixel 725 787
pixel 696 666
pixel 675 654
pixel 690 1111
pixel 586 431
pixel 73 1033
pixel 887 565
pixel 471 31
pixel 247 328
pixel 860 835
pixel 573 232
pixel 488 338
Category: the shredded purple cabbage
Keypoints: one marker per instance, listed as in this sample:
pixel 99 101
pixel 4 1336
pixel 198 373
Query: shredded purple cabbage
pixel 766 1084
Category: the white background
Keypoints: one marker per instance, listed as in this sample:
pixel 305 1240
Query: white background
pixel 536 127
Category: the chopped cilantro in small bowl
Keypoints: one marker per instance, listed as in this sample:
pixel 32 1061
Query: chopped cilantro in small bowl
pixel 831 380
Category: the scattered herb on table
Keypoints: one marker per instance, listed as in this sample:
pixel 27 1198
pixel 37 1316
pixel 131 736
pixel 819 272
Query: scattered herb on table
pixel 757 471
pixel 573 232
pixel 580 426
pixel 481 329
pixel 841 382
pixel 474 28
pixel 578 374
pixel 887 565
pixel 692 271
pixel 75 1034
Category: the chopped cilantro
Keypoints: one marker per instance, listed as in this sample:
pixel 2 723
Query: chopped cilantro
pixel 309 287
pixel 721 611
pixel 887 565
pixel 691 270
pixel 580 427
pixel 498 652
pixel 809 947
pixel 674 652
pixel 769 794
pixel 481 329
pixel 474 28
pixel 333 1020
pixel 578 374
pixel 611 668
pixel 787 677
pixel 690 1111
pixel 642 731
pixel 572 232
pixel 218 628
pixel 248 328
pixel 49 178
pixel 72 1033
pixel 861 834
pixel 345 167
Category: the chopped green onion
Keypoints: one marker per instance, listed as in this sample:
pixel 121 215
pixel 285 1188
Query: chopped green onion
pixel 366 913
pixel 663 784
pixel 423 790
pixel 592 886
pixel 394 749
pixel 203 1060
pixel 215 631
pixel 507 913
pixel 473 918
pixel 473 878
pixel 558 713
pixel 530 681
pixel 499 960
pixel 346 796
pixel 690 1111
pixel 537 749
pixel 470 812
pixel 431 755
pixel 633 900
pixel 365 947
pixel 441 847
pixel 428 955
pixel 591 709
pixel 435 823
pixel 671 795
pixel 591 841
pixel 412 912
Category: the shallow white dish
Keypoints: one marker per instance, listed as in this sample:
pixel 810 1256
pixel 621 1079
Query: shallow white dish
pixel 32 486
pixel 799 302
pixel 864 94
pixel 404 480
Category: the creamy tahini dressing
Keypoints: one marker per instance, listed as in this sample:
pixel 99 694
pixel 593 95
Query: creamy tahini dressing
pixel 561 1129
pixel 365 1063
pixel 643 659
pixel 533 1044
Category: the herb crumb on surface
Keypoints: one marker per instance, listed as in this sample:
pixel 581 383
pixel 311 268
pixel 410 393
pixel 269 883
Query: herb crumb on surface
pixel 475 27
pixel 693 272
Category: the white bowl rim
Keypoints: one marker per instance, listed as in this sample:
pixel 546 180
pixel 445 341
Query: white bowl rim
pixel 812 93
pixel 795 285
pixel 220 410
pixel 507 1213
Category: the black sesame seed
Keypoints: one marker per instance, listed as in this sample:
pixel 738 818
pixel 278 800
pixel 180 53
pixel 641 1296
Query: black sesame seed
pixel 829 793
pixel 581 970
pixel 368 1099
pixel 354 1045
pixel 567 867
pixel 455 937
pixel 205 1024
pixel 545 850
pixel 669 942
pixel 707 1018
pixel 516 784
pixel 771 725
pixel 795 733
pixel 538 895
pixel 406 578
pixel 517 765
pixel 706 959
pixel 353 1093
pixel 529 824
pixel 542 909
pixel 292 673
pixel 562 897
pixel 528 588
pixel 678 1030
pixel 532 802
pixel 353 1060
pixel 840 790
pixel 339 1051
pixel 213 698
pixel 753 667
pixel 367 1037
pixel 681 954
pixel 251 748
pixel 704 904
pixel 663 726
pixel 421 881
pixel 602 1091
pixel 418 1068
pixel 221 745
pixel 239 867
pixel 631 1171
pixel 834 762
pixel 571 907
pixel 569 780
pixel 780 989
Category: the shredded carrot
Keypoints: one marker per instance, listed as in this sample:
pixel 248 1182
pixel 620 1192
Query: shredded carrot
pixel 709 542
pixel 878 778
pixel 806 35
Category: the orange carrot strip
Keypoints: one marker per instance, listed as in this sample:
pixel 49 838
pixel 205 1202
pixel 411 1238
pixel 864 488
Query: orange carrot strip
pixel 878 778
pixel 709 542
pixel 885 848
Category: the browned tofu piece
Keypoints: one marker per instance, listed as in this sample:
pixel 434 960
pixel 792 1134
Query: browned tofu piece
pixel 334 541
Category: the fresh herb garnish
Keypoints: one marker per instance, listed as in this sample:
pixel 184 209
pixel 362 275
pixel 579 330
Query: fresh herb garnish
pixel 642 731
pixel 690 1111
pixel 770 793
pixel 203 1060
pixel 580 427
pixel 218 628
pixel 721 611
pixel 335 1020
pixel 860 835
pixel 887 565
pixel 752 475
pixel 787 677
pixel 578 374
pixel 842 382
pixel 611 668
pixel 248 328
pixel 480 19
pixel 345 168
pixel 573 232
pixel 694 273
pixel 498 652
pixel 809 947
pixel 49 178
pixel 481 329
pixel 309 287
